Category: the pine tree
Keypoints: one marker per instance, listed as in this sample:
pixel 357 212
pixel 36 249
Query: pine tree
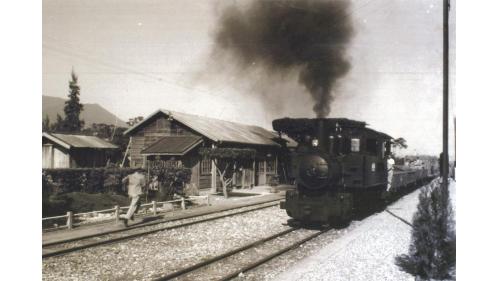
pixel 46 124
pixel 73 107
pixel 59 125
pixel 432 249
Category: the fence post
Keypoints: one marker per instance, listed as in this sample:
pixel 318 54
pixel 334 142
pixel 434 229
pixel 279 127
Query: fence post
pixel 117 212
pixel 183 204
pixel 69 222
pixel 154 207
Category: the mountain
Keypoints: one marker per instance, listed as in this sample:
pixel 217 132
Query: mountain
pixel 92 112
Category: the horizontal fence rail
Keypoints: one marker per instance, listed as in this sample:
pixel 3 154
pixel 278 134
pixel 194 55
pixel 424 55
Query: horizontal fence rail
pixel 156 207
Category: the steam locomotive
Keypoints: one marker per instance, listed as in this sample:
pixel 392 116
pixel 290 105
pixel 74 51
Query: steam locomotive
pixel 339 166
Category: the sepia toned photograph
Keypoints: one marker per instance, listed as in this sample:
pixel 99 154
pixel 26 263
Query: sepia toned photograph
pixel 248 140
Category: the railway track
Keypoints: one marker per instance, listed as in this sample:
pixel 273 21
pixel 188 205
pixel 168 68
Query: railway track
pixel 84 242
pixel 231 264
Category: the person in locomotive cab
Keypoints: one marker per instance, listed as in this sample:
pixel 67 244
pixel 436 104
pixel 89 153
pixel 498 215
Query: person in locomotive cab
pixel 390 171
pixel 418 163
pixel 135 182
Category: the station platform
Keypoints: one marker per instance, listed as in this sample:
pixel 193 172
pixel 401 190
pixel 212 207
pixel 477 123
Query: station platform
pixel 238 198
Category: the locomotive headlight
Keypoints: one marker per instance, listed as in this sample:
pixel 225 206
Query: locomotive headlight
pixel 315 142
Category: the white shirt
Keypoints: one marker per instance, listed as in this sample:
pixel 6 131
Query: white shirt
pixel 390 163
pixel 136 182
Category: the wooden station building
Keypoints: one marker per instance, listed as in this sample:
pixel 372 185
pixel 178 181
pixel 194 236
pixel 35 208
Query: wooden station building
pixel 173 138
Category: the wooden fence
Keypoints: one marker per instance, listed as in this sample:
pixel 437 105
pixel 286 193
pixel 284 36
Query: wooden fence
pixel 156 207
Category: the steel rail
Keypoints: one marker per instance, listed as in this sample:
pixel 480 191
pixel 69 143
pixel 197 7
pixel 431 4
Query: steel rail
pixel 131 236
pixel 222 256
pixel 399 218
pixel 165 220
pixel 272 256
pixel 205 263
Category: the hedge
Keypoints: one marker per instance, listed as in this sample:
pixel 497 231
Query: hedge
pixel 171 180
pixel 103 180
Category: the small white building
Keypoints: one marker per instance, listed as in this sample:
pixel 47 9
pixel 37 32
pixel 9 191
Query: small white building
pixel 74 151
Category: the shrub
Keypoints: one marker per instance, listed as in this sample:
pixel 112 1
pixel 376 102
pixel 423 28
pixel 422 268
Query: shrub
pixel 432 249
pixel 51 204
pixel 274 180
pixel 108 180
pixel 89 180
pixel 171 181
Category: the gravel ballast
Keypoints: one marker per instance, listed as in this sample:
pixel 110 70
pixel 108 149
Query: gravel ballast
pixel 166 251
pixel 363 251
pixel 137 230
pixel 222 268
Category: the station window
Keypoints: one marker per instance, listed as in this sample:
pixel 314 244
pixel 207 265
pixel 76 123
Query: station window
pixel 206 166
pixel 261 167
pixel 355 145
pixel 173 163
pixel 271 166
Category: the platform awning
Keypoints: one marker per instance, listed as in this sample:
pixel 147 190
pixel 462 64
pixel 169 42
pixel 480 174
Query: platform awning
pixel 173 145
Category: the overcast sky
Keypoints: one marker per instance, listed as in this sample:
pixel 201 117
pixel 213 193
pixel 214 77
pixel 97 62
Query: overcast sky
pixel 133 57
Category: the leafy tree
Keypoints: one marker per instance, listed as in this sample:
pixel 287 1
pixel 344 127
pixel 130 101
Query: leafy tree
pixel 227 161
pixel 132 121
pixel 112 134
pixel 399 143
pixel 73 107
pixel 46 124
pixel 432 249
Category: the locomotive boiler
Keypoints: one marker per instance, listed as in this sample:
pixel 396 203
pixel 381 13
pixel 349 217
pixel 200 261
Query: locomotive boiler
pixel 339 165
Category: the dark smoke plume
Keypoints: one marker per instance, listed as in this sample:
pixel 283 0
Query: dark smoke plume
pixel 308 36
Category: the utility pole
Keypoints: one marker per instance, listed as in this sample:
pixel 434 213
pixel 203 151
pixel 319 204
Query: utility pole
pixel 446 7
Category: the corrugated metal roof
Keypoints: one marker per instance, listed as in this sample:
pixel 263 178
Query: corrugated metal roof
pixel 173 145
pixel 225 131
pixel 79 141
pixel 218 130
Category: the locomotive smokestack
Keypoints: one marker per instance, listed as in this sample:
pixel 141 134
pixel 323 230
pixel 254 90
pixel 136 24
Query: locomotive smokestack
pixel 321 133
pixel 308 36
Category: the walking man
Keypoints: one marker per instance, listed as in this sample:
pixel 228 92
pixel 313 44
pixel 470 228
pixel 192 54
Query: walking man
pixel 135 183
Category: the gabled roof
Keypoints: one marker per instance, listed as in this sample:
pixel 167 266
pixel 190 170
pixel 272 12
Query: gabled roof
pixel 173 145
pixel 217 130
pixel 78 141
